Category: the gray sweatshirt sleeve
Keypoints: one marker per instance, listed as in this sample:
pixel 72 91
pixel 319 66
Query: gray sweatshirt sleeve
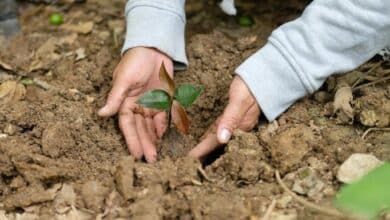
pixel 331 36
pixel 159 24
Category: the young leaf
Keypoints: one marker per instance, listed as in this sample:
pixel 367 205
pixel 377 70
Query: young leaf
pixel 186 94
pixel 157 99
pixel 369 196
pixel 180 118
pixel 166 80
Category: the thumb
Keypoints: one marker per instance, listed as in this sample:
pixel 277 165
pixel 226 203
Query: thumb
pixel 115 98
pixel 229 121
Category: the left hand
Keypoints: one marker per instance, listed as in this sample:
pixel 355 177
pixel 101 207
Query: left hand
pixel 242 112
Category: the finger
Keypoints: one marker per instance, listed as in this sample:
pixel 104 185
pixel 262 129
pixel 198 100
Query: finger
pixel 148 147
pixel 127 124
pixel 121 85
pixel 160 123
pixel 250 119
pixel 207 145
pixel 151 129
pixel 115 97
pixel 230 120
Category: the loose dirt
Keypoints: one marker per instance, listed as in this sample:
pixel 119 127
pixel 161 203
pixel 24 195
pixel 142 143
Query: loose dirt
pixel 59 160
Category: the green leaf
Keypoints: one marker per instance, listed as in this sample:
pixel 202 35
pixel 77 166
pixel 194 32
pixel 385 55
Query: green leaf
pixel 246 21
pixel 187 94
pixel 157 99
pixel 369 196
pixel 27 81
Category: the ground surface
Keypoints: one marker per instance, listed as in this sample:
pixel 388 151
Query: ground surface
pixel 57 158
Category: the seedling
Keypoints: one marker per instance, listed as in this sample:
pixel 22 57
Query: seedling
pixel 172 99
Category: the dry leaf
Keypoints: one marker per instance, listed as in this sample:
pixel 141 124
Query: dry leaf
pixel 342 101
pixel 166 80
pixel 5 65
pixel 180 118
pixel 11 91
pixel 81 28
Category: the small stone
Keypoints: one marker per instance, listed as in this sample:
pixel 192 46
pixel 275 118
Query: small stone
pixel 2 136
pixel 89 99
pixel 10 129
pixel 308 183
pixel 356 166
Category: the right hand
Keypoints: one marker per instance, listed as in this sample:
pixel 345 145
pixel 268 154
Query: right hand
pixel 138 72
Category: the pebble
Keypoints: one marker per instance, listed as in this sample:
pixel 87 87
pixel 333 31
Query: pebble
pixel 356 166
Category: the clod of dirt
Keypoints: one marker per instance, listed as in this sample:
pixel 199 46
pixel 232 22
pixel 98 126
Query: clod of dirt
pixel 174 144
pixel 308 183
pixel 243 160
pixel 57 139
pixel 373 118
pixel 6 166
pixel 81 27
pixel 93 194
pixel 356 166
pixel 65 198
pixel 124 177
pixel 31 195
pixel 342 104
pixel 289 146
pixel 373 109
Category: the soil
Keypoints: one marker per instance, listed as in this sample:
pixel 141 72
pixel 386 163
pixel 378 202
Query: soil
pixel 59 160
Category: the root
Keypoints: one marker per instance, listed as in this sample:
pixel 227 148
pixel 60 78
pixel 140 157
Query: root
pixel 373 129
pixel 204 174
pixel 372 83
pixel 324 210
pixel 270 208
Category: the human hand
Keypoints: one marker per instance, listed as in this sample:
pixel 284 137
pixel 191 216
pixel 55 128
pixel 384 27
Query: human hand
pixel 242 112
pixel 138 72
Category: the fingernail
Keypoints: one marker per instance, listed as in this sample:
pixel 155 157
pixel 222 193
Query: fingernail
pixel 102 110
pixel 224 136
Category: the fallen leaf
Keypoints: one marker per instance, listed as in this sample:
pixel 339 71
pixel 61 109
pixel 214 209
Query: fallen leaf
pixel 81 28
pixel 180 118
pixel 11 91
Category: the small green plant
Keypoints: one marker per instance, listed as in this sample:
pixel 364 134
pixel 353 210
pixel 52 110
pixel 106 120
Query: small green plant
pixel 369 196
pixel 172 99
pixel 245 20
pixel 56 19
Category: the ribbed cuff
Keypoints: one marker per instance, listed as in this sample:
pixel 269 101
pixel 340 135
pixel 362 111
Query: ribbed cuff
pixel 157 25
pixel 272 80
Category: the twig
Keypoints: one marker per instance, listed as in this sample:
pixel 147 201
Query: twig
pixel 324 210
pixel 270 208
pixel 372 83
pixel 376 65
pixel 204 174
pixel 40 83
pixel 373 129
pixel 196 182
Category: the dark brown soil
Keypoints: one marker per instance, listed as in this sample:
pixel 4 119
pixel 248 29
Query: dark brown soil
pixel 59 160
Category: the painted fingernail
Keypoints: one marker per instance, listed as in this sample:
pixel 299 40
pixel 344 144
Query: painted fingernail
pixel 224 136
